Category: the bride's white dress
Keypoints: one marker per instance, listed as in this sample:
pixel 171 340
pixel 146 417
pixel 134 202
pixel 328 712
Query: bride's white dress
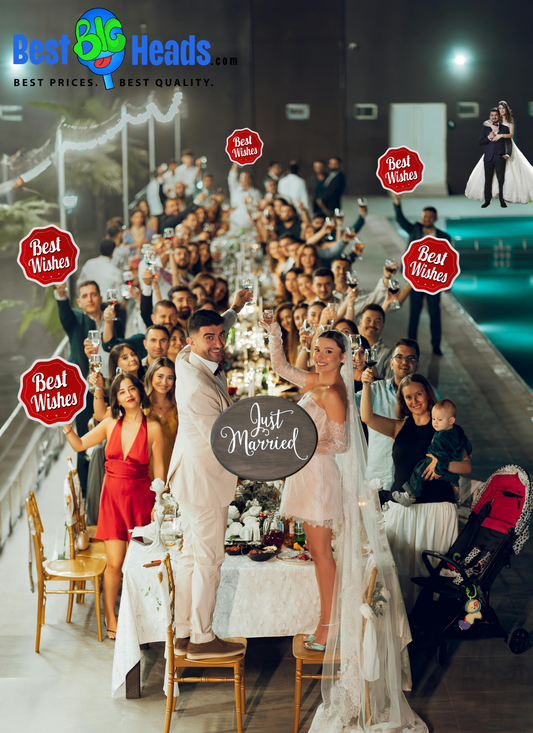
pixel 366 665
pixel 517 184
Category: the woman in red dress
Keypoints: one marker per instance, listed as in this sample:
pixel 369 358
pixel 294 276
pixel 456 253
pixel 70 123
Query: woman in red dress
pixel 126 501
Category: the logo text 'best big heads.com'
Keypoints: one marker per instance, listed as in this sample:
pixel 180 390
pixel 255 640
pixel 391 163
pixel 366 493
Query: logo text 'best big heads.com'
pixel 101 46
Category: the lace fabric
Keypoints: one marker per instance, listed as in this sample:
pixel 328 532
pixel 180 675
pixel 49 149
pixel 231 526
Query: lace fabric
pixel 364 673
pixel 279 361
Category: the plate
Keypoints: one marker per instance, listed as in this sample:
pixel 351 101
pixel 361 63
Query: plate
pixel 294 557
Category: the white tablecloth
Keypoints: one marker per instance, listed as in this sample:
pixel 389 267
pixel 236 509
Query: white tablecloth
pixel 255 599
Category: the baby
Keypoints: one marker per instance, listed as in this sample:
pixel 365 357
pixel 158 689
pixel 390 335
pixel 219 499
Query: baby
pixel 448 444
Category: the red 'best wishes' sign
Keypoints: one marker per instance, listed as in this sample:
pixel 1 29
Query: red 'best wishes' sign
pixel 431 265
pixel 244 146
pixel 400 170
pixel 48 255
pixel 53 391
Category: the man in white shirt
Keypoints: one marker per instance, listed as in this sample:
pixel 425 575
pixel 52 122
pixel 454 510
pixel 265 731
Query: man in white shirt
pixel 293 187
pixel 188 172
pixel 152 193
pixel 241 189
pixel 102 270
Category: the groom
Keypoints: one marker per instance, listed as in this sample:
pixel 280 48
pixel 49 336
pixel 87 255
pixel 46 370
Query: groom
pixel 203 488
pixel 496 155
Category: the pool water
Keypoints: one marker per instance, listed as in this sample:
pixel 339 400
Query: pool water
pixel 501 227
pixel 501 303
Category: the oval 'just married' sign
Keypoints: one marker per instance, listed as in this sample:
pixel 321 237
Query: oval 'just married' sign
pixel 264 438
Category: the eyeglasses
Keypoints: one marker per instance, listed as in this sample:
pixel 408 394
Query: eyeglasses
pixel 410 359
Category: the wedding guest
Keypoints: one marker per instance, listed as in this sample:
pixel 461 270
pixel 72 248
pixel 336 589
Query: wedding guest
pixel 333 187
pixel 371 324
pixel 290 281
pixel 305 286
pixel 283 315
pixel 340 266
pixel 315 184
pixel 274 172
pixel 194 258
pixel 242 193
pixel 137 233
pixel 185 303
pixel 126 501
pixel 199 291
pixel 420 229
pixel 277 259
pixel 206 261
pixel 102 270
pixel 299 314
pixel 178 340
pixel 292 187
pixel 152 192
pixel 307 258
pixel 159 385
pixel 163 313
pixel 314 311
pixel 431 523
pixel 323 284
pixel 221 294
pixel 405 360
pixel 123 359
pixel 77 324
pixel 289 221
pixel 179 263
pixel 207 281
pixel 188 171
pixel 207 304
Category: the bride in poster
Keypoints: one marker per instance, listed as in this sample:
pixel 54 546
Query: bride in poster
pixel 364 625
pixel 518 181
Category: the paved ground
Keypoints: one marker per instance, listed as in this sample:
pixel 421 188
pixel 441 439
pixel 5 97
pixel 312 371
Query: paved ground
pixel 483 688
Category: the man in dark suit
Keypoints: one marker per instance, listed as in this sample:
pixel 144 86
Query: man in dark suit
pixel 495 156
pixel 333 187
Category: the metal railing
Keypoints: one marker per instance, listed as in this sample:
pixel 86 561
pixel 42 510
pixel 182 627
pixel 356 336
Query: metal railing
pixel 26 451
pixel 497 252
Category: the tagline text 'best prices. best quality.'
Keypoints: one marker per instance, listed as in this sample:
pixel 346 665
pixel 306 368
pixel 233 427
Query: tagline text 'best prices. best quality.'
pixel 121 82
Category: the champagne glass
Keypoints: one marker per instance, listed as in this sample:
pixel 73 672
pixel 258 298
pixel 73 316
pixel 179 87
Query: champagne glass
pixel 307 327
pixel 394 289
pixel 268 315
pixel 94 338
pixel 112 299
pixel 95 367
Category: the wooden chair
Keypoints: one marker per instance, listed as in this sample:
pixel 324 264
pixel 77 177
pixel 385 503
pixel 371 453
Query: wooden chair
pixel 72 571
pixel 304 656
pixel 174 664
pixel 76 489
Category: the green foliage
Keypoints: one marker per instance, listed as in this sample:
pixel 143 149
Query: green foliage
pixel 10 303
pixel 267 494
pixel 47 314
pixel 17 220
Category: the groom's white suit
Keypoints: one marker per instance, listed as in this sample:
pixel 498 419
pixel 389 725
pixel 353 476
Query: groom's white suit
pixel 204 490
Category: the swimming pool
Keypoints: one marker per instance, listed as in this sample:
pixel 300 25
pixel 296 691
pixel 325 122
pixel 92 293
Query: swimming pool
pixel 496 283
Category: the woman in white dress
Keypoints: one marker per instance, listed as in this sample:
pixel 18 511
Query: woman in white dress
pixel 518 182
pixel 365 665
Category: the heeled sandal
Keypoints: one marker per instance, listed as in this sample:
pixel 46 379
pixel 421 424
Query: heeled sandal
pixel 110 631
pixel 311 646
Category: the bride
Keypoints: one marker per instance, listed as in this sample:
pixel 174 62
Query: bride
pixel 363 631
pixel 518 182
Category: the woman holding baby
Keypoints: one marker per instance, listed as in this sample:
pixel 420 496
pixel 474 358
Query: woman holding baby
pixel 430 522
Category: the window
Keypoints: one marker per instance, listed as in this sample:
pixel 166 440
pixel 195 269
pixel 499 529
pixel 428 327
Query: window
pixel 467 109
pixel 297 111
pixel 365 111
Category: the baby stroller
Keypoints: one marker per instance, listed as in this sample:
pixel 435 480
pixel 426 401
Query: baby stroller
pixel 497 528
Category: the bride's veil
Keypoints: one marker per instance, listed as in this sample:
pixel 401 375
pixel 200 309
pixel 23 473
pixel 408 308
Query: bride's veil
pixel 366 665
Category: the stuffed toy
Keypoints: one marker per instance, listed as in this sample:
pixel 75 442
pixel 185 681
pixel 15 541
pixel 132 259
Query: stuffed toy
pixel 473 611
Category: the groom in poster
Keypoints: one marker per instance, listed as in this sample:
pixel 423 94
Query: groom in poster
pixel 496 155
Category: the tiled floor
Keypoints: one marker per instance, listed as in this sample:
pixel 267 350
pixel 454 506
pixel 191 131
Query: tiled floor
pixel 483 688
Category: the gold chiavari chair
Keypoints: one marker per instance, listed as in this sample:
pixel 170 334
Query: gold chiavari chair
pixel 72 571
pixel 176 664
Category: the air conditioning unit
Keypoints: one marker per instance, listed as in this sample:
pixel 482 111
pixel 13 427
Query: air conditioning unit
pixel 365 111
pixel 467 109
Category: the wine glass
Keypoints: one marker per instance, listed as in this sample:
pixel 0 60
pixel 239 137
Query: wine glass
pixel 248 284
pixel 112 298
pixel 391 266
pixel 356 342
pixel 394 289
pixel 268 315
pixel 94 338
pixel 168 233
pixel 339 214
pixel 95 367
pixel 331 321
pixel 352 281
pixel 371 357
pixel 203 161
pixel 308 328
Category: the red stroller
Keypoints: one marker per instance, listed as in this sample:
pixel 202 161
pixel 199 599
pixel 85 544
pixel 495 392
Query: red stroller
pixel 497 528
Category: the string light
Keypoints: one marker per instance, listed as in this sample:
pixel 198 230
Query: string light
pixel 152 110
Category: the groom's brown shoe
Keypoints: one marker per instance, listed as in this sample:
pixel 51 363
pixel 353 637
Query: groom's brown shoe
pixel 487 203
pixel 180 647
pixel 213 649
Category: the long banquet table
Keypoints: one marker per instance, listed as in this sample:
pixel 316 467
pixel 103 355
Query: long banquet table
pixel 255 599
